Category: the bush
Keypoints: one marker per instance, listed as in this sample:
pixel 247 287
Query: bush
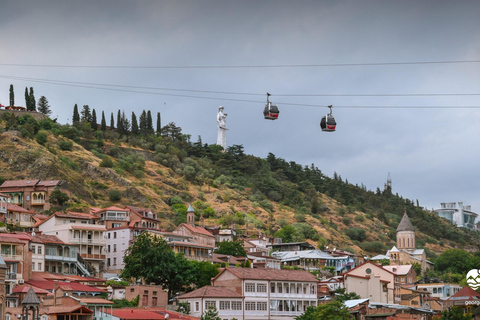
pixel 356 234
pixel 65 145
pixel 41 137
pixel 359 218
pixel 114 195
pixel 106 162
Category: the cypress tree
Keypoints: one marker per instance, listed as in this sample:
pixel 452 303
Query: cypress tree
pixel 159 124
pixel 27 99
pixel 33 103
pixel 103 126
pixel 143 123
pixel 149 123
pixel 119 122
pixel 94 120
pixel 134 123
pixel 12 96
pixel 76 115
pixel 112 123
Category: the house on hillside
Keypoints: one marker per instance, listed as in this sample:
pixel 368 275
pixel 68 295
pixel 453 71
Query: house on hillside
pixel 461 216
pixel 32 194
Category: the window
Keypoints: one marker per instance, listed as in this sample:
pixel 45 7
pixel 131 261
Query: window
pixel 108 248
pixel 72 221
pixel 209 304
pixel 132 289
pixel 261 288
pixel 84 222
pixel 154 301
pixel 145 291
pixel 108 235
pixel 114 261
pixel 197 306
pixel 236 305
pixel 33 249
pixel 280 288
pixel 154 293
pixel 115 235
pixel 115 248
pixel 39 266
pixel 272 288
pixel 262 306
pixel 108 263
pixel 39 250
pixel 249 287
pixel 250 305
pixel 33 266
pixel 224 305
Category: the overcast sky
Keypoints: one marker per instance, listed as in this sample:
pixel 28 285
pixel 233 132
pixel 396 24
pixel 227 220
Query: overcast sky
pixel 354 55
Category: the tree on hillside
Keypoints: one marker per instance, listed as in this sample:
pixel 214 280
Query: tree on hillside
pixel 172 271
pixel 27 99
pixel 103 125
pixel 112 123
pixel 32 101
pixel 43 106
pixel 134 124
pixel 456 261
pixel 159 124
pixel 93 121
pixel 149 122
pixel 334 310
pixel 86 114
pixel 232 248
pixel 58 197
pixel 142 123
pixel 12 96
pixel 286 233
pixel 76 115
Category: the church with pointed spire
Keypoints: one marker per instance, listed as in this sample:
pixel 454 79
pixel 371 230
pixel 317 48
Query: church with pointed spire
pixel 405 252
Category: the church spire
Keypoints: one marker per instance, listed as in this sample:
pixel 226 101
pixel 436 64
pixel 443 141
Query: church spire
pixel 405 224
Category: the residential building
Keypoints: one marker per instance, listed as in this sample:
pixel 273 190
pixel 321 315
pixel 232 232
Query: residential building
pixel 19 217
pixel 3 302
pixel 256 294
pixel 255 245
pixel 198 234
pixel 292 246
pixel 81 229
pixel 369 280
pixel 404 274
pixel 222 234
pixel 117 242
pixel 32 194
pixel 112 217
pixel 18 260
pixel 264 260
pixel 443 291
pixel 461 216
pixel 3 204
pixel 141 218
pixel 185 243
pixel 306 259
pixel 464 297
pixel 150 295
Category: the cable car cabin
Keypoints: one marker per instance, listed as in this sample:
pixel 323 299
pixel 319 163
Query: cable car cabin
pixel 271 111
pixel 328 123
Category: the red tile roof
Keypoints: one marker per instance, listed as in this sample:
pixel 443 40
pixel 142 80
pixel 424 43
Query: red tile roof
pixel 94 300
pixel 270 274
pixel 135 314
pixel 66 286
pixel 466 293
pixel 197 229
pixel 24 289
pixel 19 183
pixel 211 292
pixel 15 208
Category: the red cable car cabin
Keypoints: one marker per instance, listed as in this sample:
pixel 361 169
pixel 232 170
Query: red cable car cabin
pixel 271 111
pixel 328 123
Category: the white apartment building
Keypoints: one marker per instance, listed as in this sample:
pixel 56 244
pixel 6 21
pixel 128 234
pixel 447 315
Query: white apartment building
pixel 256 294
pixel 80 229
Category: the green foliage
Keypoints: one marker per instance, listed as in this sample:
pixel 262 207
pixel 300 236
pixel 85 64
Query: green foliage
pixel 172 271
pixel 334 310
pixel 41 137
pixel 356 234
pixel 114 195
pixel 58 197
pixel 204 272
pixel 232 248
pixel 124 303
pixel 210 314
pixel 183 307
pixel 65 145
pixel 455 313
pixel 69 162
pixel 375 246
pixel 342 295
pixel 286 233
pixel 456 261
pixel 106 162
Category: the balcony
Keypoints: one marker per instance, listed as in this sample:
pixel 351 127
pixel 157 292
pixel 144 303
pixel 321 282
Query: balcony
pixel 16 257
pixel 11 276
pixel 93 256
pixel 51 257
pixel 38 202
pixel 98 242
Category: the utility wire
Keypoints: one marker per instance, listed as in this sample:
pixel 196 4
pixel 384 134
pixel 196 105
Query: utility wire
pixel 91 86
pixel 242 66
pixel 94 86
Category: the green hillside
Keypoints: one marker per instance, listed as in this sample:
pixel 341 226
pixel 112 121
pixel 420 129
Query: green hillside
pixel 164 170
